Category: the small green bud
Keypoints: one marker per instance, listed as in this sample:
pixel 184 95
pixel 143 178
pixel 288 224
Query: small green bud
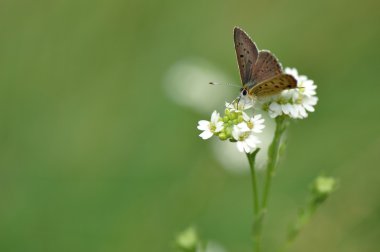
pixel 187 240
pixel 322 188
pixel 227 112
pixel 223 136
pixel 236 121
pixel 228 132
pixel 225 119
pixel 240 119
pixel 233 115
pixel 324 185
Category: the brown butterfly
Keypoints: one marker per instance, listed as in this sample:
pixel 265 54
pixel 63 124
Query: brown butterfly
pixel 260 71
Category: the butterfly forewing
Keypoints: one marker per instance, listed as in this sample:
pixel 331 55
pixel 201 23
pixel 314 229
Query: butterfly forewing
pixel 246 53
pixel 267 66
pixel 273 85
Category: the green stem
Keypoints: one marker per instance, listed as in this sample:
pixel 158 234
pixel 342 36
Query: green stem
pixel 302 219
pixel 273 152
pixel 255 194
pixel 256 235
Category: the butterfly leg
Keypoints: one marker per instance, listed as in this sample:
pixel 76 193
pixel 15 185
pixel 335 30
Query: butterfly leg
pixel 237 103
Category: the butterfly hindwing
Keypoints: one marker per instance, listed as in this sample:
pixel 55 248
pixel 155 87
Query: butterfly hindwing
pixel 273 85
pixel 267 66
pixel 246 53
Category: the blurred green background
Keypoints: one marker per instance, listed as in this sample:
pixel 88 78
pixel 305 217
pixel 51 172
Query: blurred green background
pixel 94 156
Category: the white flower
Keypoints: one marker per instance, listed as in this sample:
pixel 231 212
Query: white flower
pixel 246 141
pixel 210 127
pixel 235 125
pixel 296 103
pixel 243 133
pixel 255 124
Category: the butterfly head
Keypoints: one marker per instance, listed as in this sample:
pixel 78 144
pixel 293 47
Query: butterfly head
pixel 244 100
pixel 245 94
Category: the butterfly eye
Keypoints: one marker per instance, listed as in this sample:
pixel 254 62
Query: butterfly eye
pixel 244 92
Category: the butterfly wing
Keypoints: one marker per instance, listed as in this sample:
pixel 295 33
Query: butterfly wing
pixel 246 54
pixel 273 85
pixel 267 66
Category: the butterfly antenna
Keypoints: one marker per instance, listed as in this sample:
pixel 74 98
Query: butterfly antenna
pixel 225 84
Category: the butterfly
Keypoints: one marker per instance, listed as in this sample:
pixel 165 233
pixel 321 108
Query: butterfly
pixel 260 71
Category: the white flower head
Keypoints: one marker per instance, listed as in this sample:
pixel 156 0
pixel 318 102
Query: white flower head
pixel 246 141
pixel 295 103
pixel 255 124
pixel 236 126
pixel 210 127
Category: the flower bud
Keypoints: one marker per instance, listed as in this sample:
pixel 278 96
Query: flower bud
pixel 233 116
pixel 322 188
pixel 187 240
pixel 222 136
pixel 228 132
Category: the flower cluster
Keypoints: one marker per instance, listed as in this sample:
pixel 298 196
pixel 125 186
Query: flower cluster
pixel 234 125
pixel 295 103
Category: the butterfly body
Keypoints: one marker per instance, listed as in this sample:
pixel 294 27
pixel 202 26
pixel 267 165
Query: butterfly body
pixel 260 71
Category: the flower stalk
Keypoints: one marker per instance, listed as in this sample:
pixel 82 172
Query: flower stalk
pixel 273 154
pixel 321 189
pixel 256 235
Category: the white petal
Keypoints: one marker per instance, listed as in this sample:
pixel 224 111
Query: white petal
pixel 302 78
pixel 235 132
pixel 203 123
pixel 309 107
pixel 294 110
pixel 312 100
pixel 214 117
pixel 243 127
pixel 257 117
pixel 292 71
pixel 272 114
pixel 275 107
pixel 290 94
pixel 258 128
pixel 245 117
pixel 286 108
pixel 261 121
pixel 219 126
pixel 204 127
pixel 274 110
pixel 227 105
pixel 247 148
pixel 240 146
pixel 252 141
pixel 302 112
pixel 206 134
